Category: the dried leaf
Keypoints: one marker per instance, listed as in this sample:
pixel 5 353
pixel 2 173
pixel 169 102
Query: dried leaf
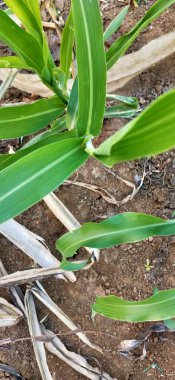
pixel 41 294
pixel 30 275
pixel 17 295
pixel 12 371
pixel 74 360
pixel 9 314
pixel 34 328
pixel 32 245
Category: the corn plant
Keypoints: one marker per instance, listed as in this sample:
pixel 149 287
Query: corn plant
pixel 76 117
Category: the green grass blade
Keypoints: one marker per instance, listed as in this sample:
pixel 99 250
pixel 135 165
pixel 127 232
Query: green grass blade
pixel 59 124
pixel 91 66
pixel 17 121
pixel 115 24
pixel 121 111
pixel 120 46
pixel 67 43
pixel 129 100
pixel 45 138
pixel 160 306
pixel 127 109
pixel 27 12
pixel 22 43
pixel 32 177
pixel 12 62
pixel 122 228
pixel 152 132
pixel 72 108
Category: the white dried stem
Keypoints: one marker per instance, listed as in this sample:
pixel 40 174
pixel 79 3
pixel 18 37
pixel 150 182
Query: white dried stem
pixel 34 328
pixel 29 275
pixel 16 293
pixel 7 82
pixel 32 245
pixel 9 314
pixel 76 361
pixel 41 294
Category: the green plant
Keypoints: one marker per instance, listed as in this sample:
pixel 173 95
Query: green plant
pixel 48 159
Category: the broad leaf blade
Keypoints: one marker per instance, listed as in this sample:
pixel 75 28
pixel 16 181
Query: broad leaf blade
pixel 32 177
pixel 22 43
pixel 150 133
pixel 59 124
pixel 27 12
pixel 115 24
pixel 160 306
pixel 91 65
pixel 37 142
pixel 67 43
pixel 123 228
pixel 119 47
pixel 17 121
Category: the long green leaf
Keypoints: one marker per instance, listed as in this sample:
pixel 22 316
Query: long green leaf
pixel 27 12
pixel 21 42
pixel 13 62
pixel 150 133
pixel 32 177
pixel 127 109
pixel 123 228
pixel 119 47
pixel 115 24
pixel 160 306
pixel 67 43
pixel 72 108
pixel 59 125
pixel 49 137
pixel 120 111
pixel 45 138
pixel 17 121
pixel 91 66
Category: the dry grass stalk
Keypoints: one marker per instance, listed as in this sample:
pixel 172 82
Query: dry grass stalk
pixel 41 294
pixel 9 314
pixel 34 328
pixel 32 245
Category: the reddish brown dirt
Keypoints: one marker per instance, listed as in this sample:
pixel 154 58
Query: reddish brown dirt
pixel 121 270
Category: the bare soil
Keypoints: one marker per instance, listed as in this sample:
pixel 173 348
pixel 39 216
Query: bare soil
pixel 121 270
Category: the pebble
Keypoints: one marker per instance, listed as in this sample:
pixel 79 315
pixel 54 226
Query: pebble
pixel 59 4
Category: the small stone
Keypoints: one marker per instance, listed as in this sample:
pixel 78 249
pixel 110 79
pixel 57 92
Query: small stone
pixel 59 4
pixel 142 101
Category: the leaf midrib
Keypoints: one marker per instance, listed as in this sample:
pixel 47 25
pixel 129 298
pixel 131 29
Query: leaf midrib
pixel 98 236
pixel 136 305
pixel 39 173
pixel 91 95
pixel 35 115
